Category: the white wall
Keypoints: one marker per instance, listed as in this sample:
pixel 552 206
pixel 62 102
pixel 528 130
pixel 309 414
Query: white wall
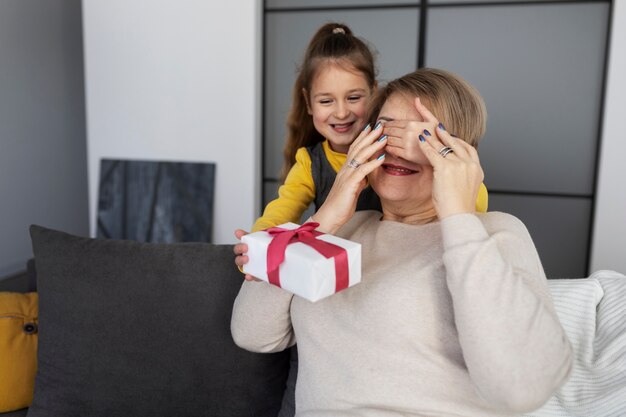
pixel 609 239
pixel 177 80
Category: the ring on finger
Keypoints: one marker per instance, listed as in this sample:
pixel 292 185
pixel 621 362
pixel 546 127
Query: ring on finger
pixel 354 163
pixel 445 151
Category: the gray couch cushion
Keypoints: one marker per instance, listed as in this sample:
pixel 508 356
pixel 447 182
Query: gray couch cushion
pixel 17 413
pixel 140 329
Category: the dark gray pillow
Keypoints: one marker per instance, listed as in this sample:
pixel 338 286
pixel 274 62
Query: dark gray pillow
pixel 141 329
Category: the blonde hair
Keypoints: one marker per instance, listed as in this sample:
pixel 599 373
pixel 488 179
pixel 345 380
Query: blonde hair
pixel 453 101
pixel 333 43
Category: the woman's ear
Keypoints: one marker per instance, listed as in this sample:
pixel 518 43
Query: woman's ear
pixel 305 94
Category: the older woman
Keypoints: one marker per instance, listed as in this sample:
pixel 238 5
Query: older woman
pixel 452 316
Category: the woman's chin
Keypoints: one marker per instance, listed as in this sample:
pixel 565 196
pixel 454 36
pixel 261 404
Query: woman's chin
pixel 402 188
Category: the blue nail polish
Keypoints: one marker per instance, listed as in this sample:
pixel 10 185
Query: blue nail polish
pixel 366 127
pixel 426 132
pixel 382 155
pixel 441 127
pixel 422 138
pixel 383 137
pixel 378 126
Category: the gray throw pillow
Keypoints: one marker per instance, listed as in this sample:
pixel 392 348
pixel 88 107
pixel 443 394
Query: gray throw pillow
pixel 142 329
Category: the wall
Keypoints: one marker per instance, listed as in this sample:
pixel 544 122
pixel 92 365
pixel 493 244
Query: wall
pixel 177 81
pixel 43 170
pixel 609 240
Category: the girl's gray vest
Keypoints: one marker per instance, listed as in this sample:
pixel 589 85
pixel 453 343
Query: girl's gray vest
pixel 324 176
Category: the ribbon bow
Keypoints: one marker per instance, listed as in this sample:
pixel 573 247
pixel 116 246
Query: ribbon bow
pixel 308 235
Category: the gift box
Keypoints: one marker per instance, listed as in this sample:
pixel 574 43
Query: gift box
pixel 302 260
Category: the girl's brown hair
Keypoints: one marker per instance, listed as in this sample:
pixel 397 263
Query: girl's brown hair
pixel 333 43
pixel 453 101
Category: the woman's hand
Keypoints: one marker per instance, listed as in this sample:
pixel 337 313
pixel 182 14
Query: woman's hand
pixel 457 173
pixel 364 156
pixel 241 258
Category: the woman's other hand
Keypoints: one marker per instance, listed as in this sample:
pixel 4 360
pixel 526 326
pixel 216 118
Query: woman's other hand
pixel 241 258
pixel 457 173
pixel 365 155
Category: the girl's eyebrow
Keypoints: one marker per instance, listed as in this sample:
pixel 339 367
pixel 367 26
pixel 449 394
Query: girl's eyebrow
pixel 355 90
pixel 387 119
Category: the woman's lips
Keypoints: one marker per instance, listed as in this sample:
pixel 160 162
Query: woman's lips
pixel 342 127
pixel 397 170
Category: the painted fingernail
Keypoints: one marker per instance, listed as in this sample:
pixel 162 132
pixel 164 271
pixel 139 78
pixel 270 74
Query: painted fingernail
pixel 366 127
pixel 378 126
pixel 441 127
pixel 383 137
pixel 426 132
pixel 382 155
pixel 422 139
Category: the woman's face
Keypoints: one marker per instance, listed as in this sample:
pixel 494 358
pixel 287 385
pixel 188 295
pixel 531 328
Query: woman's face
pixel 398 180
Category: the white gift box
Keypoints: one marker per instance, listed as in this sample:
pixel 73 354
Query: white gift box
pixel 304 271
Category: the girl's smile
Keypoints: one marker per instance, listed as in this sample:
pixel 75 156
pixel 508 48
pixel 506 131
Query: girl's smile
pixel 343 127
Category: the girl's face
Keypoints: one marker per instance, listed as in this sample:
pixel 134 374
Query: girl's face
pixel 337 103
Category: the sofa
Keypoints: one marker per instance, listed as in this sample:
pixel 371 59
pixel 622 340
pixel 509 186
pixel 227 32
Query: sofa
pixel 139 329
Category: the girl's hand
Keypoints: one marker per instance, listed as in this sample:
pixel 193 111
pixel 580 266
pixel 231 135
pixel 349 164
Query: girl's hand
pixel 364 156
pixel 403 135
pixel 457 173
pixel 241 258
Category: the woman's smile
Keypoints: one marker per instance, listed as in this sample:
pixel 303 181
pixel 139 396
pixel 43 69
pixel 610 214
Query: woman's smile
pixel 398 170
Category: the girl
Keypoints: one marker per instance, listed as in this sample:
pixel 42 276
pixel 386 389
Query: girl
pixel 330 98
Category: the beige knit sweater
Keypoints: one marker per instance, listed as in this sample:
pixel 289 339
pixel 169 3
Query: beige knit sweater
pixel 451 318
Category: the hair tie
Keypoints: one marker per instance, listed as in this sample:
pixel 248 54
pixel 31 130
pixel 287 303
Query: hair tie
pixel 339 30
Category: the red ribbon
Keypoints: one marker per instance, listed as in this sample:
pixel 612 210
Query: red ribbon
pixel 305 234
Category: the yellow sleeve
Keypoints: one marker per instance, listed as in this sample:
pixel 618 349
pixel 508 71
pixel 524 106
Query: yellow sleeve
pixel 482 201
pixel 294 196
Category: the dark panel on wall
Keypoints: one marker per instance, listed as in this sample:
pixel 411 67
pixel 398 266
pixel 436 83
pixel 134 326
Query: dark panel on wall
pixel 540 66
pixel 302 4
pixel 270 191
pixel 559 227
pixel 474 2
pixel 540 70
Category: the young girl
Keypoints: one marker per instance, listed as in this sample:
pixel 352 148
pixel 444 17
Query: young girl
pixel 330 99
